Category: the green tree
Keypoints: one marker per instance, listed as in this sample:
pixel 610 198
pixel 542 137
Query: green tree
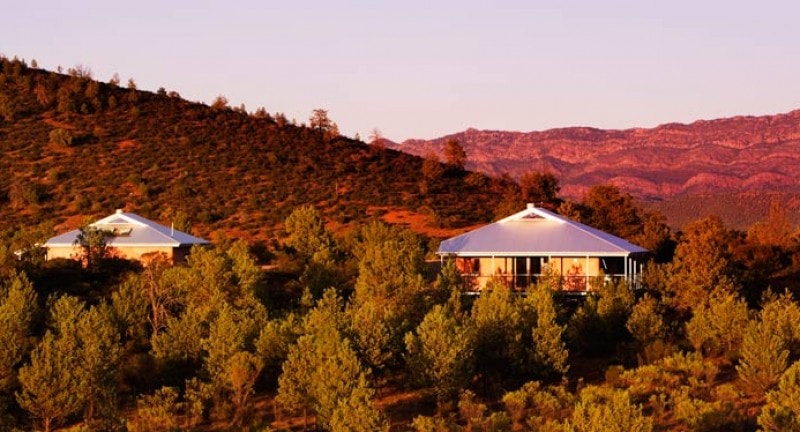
pixel 325 321
pixel 540 188
pixel 454 154
pixel 308 235
pixel 374 338
pixel 99 357
pixel 50 383
pixel 294 386
pixel 603 410
pixel 130 309
pixel 703 262
pixel 320 122
pixel 608 209
pixel 537 407
pixel 763 358
pixel 440 354
pixel 390 295
pixel 646 324
pixel 717 326
pixel 18 311
pixel 182 339
pixel 598 327
pixel 782 410
pixel 356 412
pixel 322 373
pixel 87 343
pixel 247 276
pixel 781 316
pixel 93 243
pixel 432 171
pixel 655 236
pixel 776 228
pixel 232 332
pixel 498 324
pixel 391 261
pixel 275 339
pixel 241 372
pixel 156 412
pixel 549 350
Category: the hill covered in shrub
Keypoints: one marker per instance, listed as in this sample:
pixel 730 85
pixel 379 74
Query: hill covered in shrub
pixel 73 147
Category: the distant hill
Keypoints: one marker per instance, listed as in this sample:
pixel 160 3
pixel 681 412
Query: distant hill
pixel 737 210
pixel 720 158
pixel 72 147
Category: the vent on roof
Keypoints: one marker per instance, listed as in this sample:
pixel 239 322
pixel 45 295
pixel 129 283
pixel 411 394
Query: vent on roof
pixel 532 216
pixel 122 232
pixel 116 229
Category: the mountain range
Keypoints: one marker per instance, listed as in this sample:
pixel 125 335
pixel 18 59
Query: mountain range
pixel 729 155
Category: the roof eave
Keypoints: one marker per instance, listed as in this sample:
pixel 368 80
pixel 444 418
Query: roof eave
pixel 540 253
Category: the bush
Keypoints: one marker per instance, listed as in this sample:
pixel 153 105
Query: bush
pixel 61 137
pixel 158 411
pixel 607 410
pixel 782 410
pixel 717 327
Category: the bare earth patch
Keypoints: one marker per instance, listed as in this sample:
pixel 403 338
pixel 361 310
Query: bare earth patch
pixel 128 144
pixel 418 222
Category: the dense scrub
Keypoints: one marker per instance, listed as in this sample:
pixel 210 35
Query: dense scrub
pixel 323 340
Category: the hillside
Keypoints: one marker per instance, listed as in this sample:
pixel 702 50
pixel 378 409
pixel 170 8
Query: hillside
pixel 73 147
pixel 738 210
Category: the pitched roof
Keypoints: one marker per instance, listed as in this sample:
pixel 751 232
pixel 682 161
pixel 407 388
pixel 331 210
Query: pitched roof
pixel 537 232
pixel 132 230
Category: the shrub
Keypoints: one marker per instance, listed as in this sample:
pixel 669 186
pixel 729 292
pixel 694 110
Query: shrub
pixel 158 411
pixel 782 410
pixel 717 327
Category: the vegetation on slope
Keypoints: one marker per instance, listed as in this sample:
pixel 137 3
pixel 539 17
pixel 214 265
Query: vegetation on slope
pixel 74 147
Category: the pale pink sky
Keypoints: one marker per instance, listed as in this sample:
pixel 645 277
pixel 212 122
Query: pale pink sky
pixel 422 69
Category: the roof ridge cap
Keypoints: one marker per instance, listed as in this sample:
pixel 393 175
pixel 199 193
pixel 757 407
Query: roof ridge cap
pixel 543 213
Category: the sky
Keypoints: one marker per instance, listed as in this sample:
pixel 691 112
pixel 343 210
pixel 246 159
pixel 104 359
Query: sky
pixel 423 69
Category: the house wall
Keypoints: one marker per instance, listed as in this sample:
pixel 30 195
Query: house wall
pixel 135 253
pixel 483 269
pixel 62 252
pixel 132 253
pixel 575 266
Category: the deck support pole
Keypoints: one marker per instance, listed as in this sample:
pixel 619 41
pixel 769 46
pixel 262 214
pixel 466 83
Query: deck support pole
pixel 586 272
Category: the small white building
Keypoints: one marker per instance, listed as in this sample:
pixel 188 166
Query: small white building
pixel 536 242
pixel 129 236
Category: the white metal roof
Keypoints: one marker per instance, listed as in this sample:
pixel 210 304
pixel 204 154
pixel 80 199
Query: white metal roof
pixel 537 232
pixel 132 230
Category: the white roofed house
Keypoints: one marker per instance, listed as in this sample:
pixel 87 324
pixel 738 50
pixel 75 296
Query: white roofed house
pixel 536 242
pixel 129 236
